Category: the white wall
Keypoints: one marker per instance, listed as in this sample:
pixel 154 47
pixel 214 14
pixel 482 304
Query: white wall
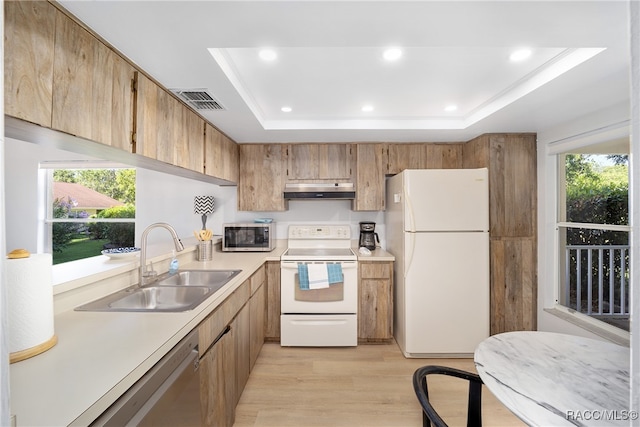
pixel 22 190
pixel 4 341
pixel 604 125
pixel 160 197
pixel 635 210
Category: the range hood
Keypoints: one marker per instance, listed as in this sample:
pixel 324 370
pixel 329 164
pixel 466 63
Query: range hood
pixel 317 191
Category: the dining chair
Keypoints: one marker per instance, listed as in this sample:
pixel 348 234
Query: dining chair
pixel 429 414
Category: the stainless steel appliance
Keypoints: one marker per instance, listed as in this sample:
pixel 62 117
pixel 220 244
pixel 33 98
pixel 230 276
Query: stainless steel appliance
pixel 248 237
pixel 368 235
pixel 436 226
pixel 317 191
pixel 319 287
pixel 167 395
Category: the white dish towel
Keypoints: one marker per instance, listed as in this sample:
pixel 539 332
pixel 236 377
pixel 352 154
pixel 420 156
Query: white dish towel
pixel 318 276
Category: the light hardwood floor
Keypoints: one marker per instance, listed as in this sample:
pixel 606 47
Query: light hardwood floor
pixel 369 385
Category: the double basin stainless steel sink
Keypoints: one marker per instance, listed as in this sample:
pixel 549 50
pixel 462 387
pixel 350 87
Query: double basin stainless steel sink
pixel 182 291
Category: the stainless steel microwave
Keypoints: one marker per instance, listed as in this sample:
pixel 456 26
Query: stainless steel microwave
pixel 248 237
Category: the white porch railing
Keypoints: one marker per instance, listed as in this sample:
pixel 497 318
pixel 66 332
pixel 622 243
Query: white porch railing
pixel 596 280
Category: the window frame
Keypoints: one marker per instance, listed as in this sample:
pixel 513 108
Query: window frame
pixel 557 153
pixel 45 215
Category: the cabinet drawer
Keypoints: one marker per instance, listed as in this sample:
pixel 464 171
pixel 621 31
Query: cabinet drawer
pixel 375 270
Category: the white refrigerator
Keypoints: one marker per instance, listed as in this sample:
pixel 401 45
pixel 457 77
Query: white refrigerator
pixel 437 227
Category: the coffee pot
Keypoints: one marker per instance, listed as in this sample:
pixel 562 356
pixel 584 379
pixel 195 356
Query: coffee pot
pixel 368 236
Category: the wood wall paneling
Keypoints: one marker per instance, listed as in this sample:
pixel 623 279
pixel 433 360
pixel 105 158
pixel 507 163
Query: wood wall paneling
pixel 511 159
pixel 514 284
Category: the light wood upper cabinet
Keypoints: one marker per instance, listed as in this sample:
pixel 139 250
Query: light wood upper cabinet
pixel 405 156
pixel 190 148
pixel 92 95
pixel 166 129
pixel 443 156
pixel 370 170
pixel 261 183
pixel 29 37
pixel 319 162
pixel 221 155
pixel 424 156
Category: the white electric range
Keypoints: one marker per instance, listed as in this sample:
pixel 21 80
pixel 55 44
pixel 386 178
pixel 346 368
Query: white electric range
pixel 319 287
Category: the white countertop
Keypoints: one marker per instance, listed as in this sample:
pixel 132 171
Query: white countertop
pixel 100 355
pixel 549 379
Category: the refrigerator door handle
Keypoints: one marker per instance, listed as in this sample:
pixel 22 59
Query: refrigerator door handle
pixel 409 207
pixel 411 238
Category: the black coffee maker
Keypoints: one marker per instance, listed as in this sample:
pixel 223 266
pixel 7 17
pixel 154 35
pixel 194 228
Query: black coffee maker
pixel 368 236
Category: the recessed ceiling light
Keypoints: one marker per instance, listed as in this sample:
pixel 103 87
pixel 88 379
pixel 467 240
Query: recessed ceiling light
pixel 268 54
pixel 392 54
pixel 285 109
pixel 451 107
pixel 520 55
pixel 367 108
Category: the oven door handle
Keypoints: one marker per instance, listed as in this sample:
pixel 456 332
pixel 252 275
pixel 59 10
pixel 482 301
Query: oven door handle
pixel 293 265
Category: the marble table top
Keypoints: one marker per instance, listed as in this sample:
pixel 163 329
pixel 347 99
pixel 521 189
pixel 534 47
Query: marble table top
pixel 549 379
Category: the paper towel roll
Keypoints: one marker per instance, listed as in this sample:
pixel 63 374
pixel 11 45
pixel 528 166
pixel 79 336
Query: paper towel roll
pixel 30 304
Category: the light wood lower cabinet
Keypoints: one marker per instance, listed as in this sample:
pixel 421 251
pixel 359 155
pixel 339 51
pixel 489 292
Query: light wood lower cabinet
pixel 258 308
pixel 241 326
pixel 217 382
pixel 272 321
pixel 375 302
pixel 229 342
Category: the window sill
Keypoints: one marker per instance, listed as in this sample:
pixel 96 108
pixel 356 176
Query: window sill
pixel 602 329
pixel 76 274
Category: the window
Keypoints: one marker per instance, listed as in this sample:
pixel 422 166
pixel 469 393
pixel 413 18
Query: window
pixel 593 233
pixel 90 206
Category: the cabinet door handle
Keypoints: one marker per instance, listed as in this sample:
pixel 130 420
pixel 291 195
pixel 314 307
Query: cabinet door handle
pixel 218 338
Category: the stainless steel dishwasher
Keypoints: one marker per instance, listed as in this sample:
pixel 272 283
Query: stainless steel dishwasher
pixel 167 395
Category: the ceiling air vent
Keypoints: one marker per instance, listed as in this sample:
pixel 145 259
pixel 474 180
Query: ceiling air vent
pixel 199 99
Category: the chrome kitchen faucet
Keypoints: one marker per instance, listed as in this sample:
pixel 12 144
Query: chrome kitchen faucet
pixel 144 274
